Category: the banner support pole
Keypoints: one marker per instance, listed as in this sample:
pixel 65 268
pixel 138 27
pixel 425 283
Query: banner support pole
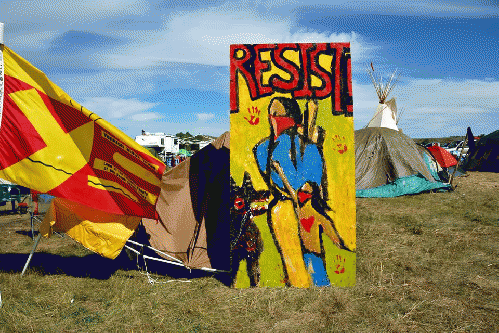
pixel 31 254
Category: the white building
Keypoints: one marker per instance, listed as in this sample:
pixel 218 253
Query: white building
pixel 164 144
pixel 195 144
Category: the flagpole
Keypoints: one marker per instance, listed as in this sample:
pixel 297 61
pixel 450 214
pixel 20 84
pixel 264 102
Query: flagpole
pixel 1 33
pixel 1 72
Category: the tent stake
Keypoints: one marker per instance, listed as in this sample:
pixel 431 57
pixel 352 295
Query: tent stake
pixel 31 254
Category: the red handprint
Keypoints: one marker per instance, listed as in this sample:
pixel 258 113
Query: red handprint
pixel 340 268
pixel 339 144
pixel 255 116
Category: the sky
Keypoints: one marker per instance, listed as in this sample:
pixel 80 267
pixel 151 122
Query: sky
pixel 163 66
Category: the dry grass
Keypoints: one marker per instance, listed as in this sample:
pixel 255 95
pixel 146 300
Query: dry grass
pixel 426 263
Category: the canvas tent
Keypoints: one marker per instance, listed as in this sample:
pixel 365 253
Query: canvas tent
pixel 386 112
pixel 387 162
pixel 485 156
pixel 193 224
pixel 385 115
pixel 192 228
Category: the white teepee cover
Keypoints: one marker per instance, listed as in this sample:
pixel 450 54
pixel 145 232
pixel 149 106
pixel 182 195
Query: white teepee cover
pixel 385 116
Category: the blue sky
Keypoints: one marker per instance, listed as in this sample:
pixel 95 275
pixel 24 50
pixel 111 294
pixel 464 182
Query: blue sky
pixel 162 66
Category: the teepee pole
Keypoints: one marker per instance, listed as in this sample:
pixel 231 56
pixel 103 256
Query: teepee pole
pixel 383 89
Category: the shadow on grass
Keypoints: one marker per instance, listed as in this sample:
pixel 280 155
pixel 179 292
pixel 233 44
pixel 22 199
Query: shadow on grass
pixel 27 233
pixel 92 266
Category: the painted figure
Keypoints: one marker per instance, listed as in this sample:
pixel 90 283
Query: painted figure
pixel 291 162
pixel 246 240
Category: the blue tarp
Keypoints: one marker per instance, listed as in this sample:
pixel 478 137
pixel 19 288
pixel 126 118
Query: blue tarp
pixel 405 186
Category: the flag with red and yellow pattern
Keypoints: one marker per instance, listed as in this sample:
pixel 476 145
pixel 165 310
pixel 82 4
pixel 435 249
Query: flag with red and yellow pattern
pixel 51 144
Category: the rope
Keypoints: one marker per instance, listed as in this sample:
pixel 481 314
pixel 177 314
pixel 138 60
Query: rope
pixel 150 279
pixel 156 250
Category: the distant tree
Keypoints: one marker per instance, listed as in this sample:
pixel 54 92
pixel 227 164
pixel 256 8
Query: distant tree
pixel 188 135
pixel 425 142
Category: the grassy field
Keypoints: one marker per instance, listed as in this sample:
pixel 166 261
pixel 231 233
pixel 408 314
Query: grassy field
pixel 426 263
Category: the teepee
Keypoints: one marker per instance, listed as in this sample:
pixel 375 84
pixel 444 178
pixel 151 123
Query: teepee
pixel 388 163
pixel 386 112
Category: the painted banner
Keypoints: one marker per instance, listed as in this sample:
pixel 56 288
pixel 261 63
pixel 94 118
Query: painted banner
pixel 51 144
pixel 292 165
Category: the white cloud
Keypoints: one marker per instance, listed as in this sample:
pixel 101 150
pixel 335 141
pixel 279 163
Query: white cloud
pixel 109 107
pixel 446 8
pixel 447 94
pixel 435 108
pixel 108 83
pixel 205 116
pixel 204 37
pixel 146 116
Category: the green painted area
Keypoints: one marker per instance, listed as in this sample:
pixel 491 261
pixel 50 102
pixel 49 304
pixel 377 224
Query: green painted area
pixel 271 271
pixel 336 261
pixel 242 280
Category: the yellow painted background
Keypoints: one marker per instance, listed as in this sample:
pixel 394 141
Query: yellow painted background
pixel 340 175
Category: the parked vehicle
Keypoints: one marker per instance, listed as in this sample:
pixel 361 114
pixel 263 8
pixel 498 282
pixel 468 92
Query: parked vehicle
pixel 456 148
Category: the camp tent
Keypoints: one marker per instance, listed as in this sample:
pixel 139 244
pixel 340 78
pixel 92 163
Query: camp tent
pixel 386 112
pixel 443 157
pixel 485 156
pixel 387 162
pixel 193 211
pixel 443 162
pixel 385 115
pixel 192 228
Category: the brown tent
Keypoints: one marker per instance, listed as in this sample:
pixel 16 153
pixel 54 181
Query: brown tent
pixel 383 155
pixel 193 208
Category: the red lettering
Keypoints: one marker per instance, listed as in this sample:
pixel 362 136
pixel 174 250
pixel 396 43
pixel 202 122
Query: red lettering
pixel 336 82
pixel 304 77
pixel 337 91
pixel 237 66
pixel 349 78
pixel 287 66
pixel 261 67
pixel 325 77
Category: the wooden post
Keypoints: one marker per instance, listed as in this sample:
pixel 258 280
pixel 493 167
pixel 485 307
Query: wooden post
pixel 31 254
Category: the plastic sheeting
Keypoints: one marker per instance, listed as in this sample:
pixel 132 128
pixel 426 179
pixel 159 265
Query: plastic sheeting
pixel 405 186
